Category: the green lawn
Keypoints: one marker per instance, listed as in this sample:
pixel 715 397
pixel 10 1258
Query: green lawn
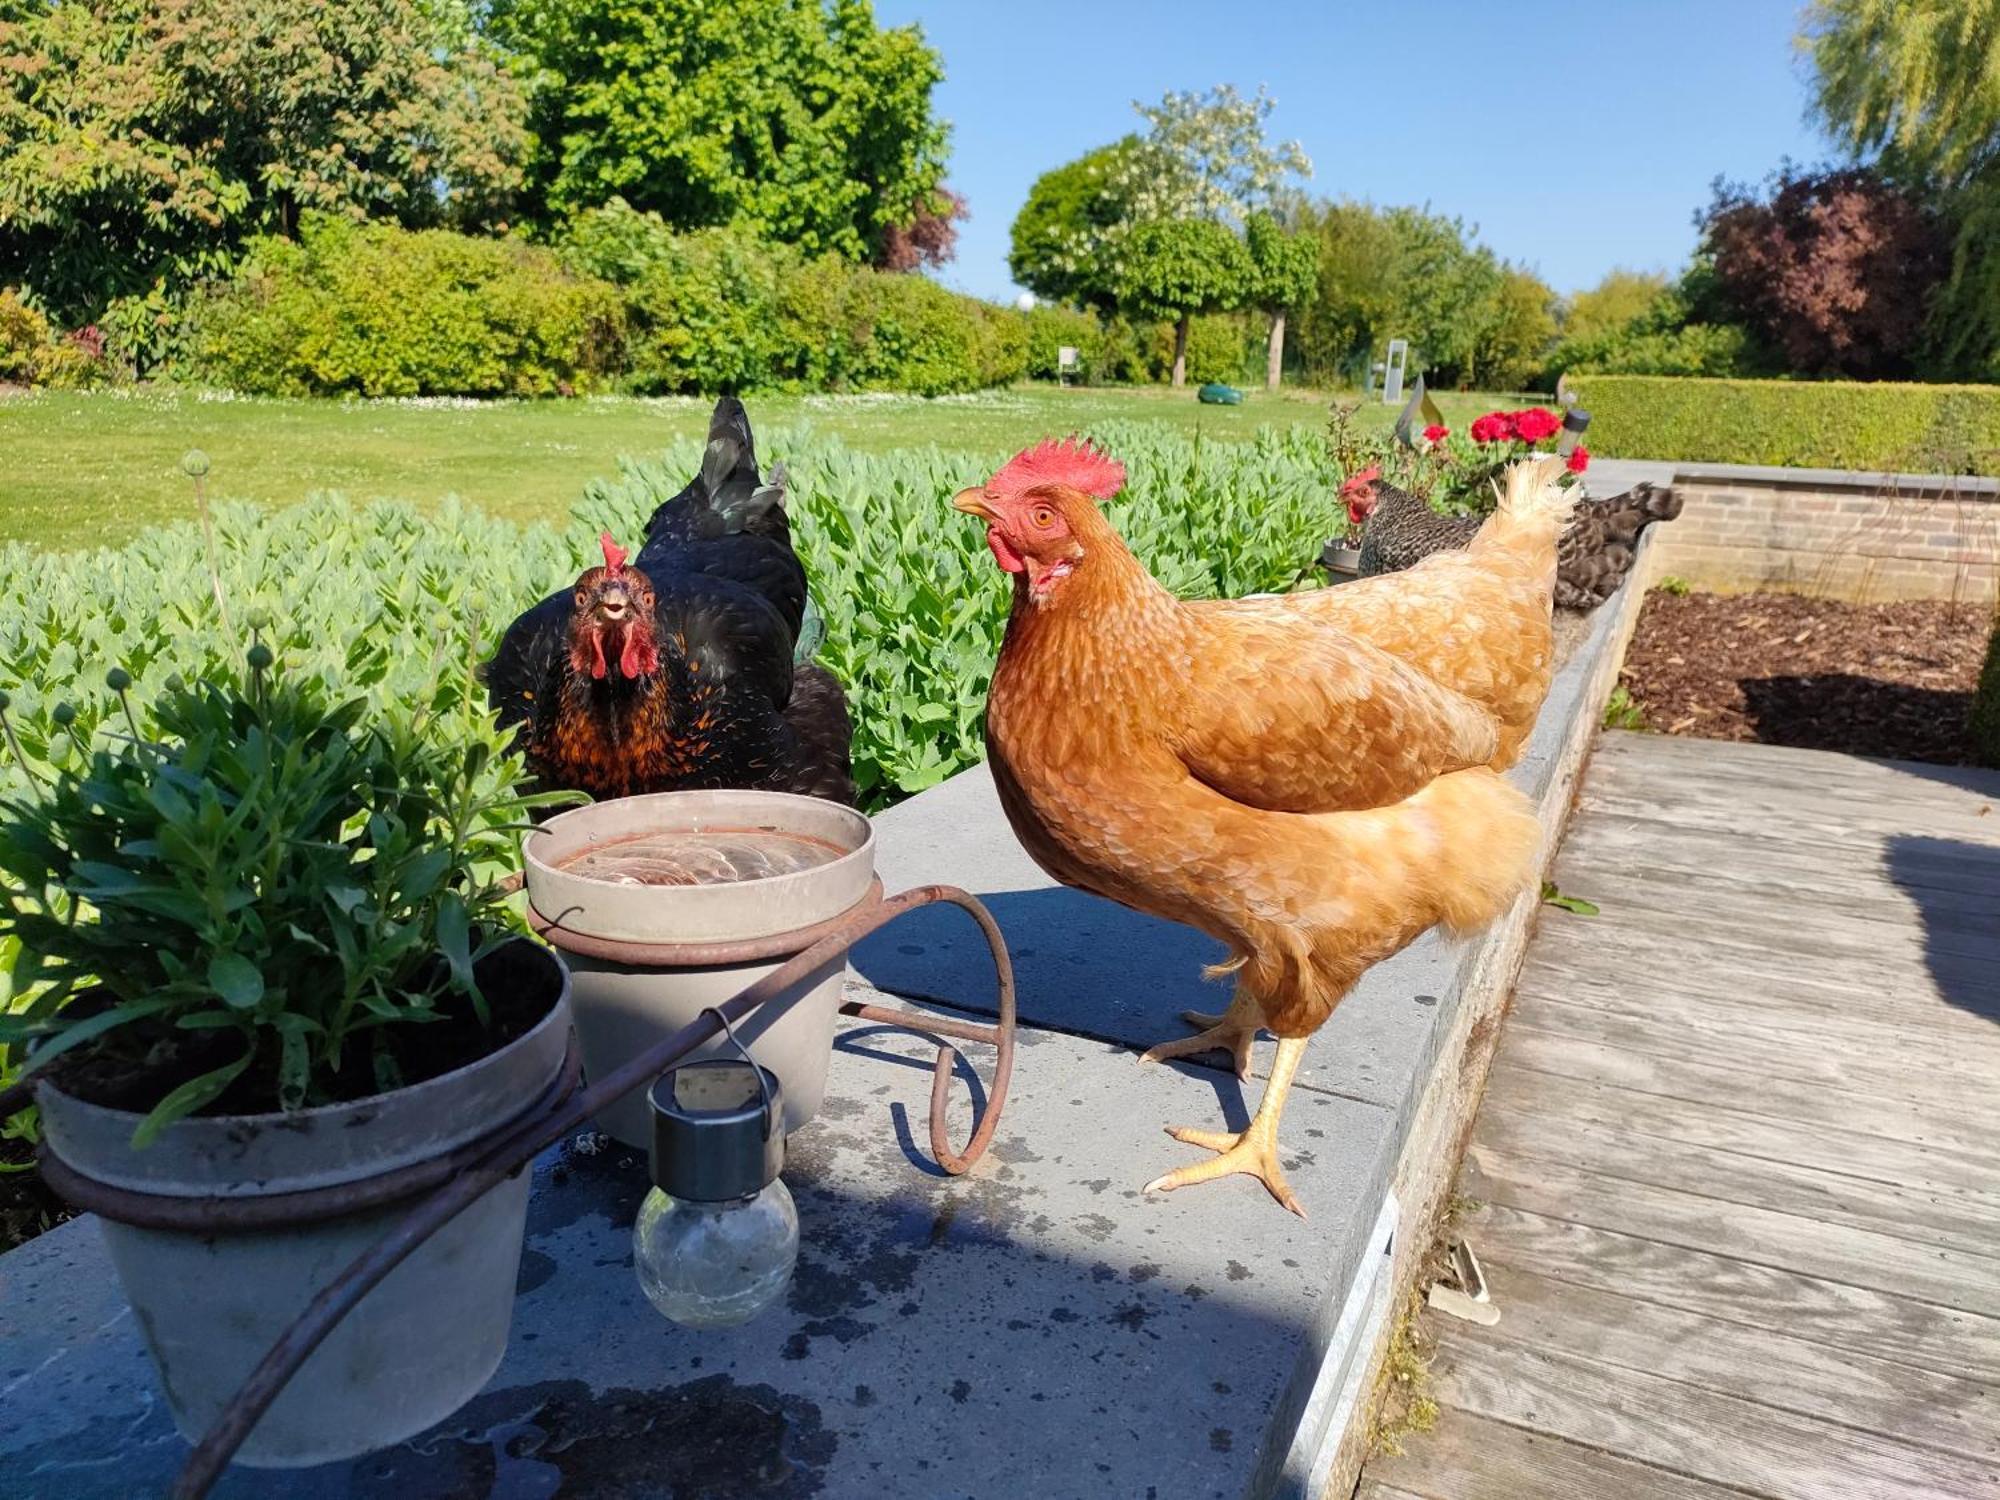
pixel 77 470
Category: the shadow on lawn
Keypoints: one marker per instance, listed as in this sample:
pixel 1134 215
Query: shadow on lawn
pixel 1956 887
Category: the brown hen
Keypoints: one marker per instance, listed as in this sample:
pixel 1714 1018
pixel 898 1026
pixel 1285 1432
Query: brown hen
pixel 1311 779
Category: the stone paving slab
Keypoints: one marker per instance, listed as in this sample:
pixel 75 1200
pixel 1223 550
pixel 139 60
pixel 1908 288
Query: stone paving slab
pixel 1040 1329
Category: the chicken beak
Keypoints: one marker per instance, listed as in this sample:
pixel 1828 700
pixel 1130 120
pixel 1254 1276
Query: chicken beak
pixel 974 503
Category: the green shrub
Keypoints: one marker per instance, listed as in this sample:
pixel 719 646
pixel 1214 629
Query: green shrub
pixel 1812 424
pixel 721 310
pixel 1986 705
pixel 388 312
pixel 1050 328
pixel 32 353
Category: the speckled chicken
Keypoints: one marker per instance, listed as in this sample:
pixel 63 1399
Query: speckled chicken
pixel 1311 779
pixel 684 668
pixel 1592 558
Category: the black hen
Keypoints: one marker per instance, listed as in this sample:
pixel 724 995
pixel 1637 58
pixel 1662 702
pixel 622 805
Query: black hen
pixel 684 667
pixel 1593 555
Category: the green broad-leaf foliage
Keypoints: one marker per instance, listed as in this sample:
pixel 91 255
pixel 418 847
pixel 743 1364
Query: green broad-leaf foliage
pixel 267 880
pixel 799 120
pixel 146 139
pixel 1174 268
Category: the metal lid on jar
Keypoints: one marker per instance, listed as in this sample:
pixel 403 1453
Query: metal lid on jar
pixel 718 1130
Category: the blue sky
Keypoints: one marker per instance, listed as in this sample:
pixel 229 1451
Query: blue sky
pixel 1576 136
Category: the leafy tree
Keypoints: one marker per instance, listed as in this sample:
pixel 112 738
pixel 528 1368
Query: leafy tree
pixel 1284 270
pixel 1206 156
pixel 146 139
pixel 1918 80
pixel 1175 268
pixel 1059 232
pixel 1616 302
pixel 799 120
pixel 1835 269
pixel 1398 273
pixel 1087 235
pixel 1519 330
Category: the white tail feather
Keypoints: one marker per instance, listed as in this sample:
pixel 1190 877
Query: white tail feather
pixel 1532 487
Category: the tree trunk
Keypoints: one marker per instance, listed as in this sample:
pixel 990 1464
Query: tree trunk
pixel 1274 358
pixel 1180 349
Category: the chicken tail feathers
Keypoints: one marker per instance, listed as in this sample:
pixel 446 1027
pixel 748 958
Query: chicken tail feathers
pixel 1531 490
pixel 1493 850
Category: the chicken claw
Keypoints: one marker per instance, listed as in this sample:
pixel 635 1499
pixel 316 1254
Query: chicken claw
pixel 1234 1032
pixel 1219 1035
pixel 1252 1152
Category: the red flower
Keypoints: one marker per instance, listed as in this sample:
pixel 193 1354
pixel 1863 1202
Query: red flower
pixel 1494 427
pixel 1579 459
pixel 1436 434
pixel 1535 424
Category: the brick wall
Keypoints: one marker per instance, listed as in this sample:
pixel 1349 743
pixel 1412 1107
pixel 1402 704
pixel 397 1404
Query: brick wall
pixel 1839 534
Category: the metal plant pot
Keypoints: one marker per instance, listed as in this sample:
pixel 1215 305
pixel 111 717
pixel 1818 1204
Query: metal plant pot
pixel 210 1303
pixel 591 881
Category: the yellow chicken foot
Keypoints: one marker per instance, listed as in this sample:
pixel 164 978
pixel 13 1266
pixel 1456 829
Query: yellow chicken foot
pixel 1254 1151
pixel 1234 1031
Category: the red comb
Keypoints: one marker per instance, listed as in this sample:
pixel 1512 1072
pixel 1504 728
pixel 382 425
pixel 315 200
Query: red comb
pixel 614 555
pixel 1071 462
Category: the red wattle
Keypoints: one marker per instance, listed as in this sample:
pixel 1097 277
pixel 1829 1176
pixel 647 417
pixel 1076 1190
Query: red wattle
pixel 1004 554
pixel 638 658
pixel 597 654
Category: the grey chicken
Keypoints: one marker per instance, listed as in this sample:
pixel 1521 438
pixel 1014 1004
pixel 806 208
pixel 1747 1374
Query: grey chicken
pixel 1593 554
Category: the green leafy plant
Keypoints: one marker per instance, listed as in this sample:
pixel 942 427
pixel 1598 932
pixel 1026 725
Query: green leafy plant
pixel 1623 711
pixel 1674 585
pixel 260 897
pixel 1575 905
pixel 1986 704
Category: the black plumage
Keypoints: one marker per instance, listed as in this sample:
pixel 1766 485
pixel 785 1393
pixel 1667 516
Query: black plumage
pixel 678 670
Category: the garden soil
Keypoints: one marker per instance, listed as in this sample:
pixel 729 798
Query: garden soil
pixel 1889 680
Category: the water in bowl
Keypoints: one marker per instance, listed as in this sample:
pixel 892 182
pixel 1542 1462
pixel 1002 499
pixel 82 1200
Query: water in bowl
pixel 706 856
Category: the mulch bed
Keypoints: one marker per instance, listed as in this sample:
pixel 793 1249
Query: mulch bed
pixel 1891 680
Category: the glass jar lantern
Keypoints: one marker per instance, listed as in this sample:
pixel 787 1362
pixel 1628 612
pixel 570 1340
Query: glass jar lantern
pixel 717 1237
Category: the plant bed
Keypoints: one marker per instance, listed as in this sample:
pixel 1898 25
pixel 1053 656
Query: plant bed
pixel 1889 680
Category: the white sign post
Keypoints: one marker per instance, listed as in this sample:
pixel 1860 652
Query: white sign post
pixel 1392 377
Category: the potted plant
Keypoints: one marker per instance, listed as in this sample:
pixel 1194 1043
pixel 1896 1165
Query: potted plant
pixel 264 951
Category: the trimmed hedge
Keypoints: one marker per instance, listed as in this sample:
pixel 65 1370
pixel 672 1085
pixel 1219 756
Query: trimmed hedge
pixel 1824 424
pixel 383 311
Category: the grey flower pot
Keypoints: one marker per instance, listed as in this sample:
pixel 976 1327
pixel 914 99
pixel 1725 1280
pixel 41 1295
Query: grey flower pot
pixel 417 1347
pixel 623 1008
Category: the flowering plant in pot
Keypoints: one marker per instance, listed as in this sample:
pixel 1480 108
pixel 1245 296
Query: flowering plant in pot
pixel 263 951
pixel 1453 471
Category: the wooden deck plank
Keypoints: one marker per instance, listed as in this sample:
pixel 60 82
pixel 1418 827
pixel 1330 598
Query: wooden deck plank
pixel 1684 1428
pixel 1968 1223
pixel 1730 1122
pixel 1761 1236
pixel 1918 1406
pixel 1856 1068
pixel 1782 1300
pixel 1469 1457
pixel 1703 1082
pixel 1736 1179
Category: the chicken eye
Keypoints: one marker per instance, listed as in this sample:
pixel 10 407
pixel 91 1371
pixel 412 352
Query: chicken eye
pixel 1044 517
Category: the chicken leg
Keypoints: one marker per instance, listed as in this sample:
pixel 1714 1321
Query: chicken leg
pixel 1252 1151
pixel 1233 1032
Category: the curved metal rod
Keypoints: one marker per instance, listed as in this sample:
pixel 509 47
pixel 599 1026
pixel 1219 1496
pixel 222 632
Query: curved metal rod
pixel 694 955
pixel 509 1154
pixel 1000 1037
